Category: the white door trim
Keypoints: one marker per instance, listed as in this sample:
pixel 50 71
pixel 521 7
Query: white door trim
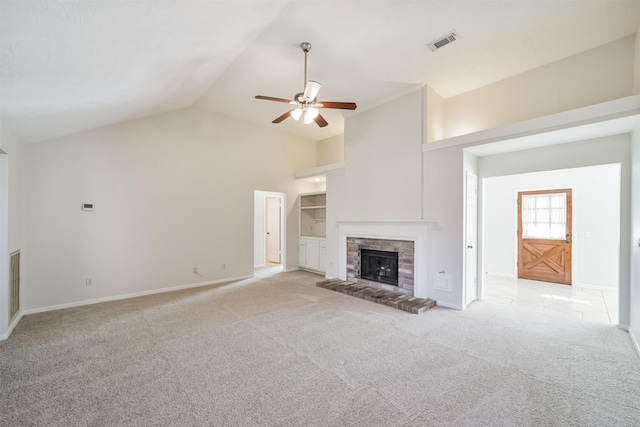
pixel 471 238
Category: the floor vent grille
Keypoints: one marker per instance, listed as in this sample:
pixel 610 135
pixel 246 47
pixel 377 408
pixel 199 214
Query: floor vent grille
pixel 14 284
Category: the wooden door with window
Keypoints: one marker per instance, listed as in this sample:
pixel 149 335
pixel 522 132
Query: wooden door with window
pixel 544 235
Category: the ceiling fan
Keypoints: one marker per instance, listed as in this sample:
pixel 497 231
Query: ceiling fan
pixel 306 102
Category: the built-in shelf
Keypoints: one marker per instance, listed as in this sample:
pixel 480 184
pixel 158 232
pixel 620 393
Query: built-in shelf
pixel 313 214
pixel 312 246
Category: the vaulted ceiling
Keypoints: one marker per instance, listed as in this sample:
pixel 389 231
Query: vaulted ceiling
pixel 70 66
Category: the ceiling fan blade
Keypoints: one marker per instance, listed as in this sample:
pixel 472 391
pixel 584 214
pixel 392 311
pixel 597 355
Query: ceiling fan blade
pixel 311 90
pixel 339 105
pixel 282 117
pixel 320 121
pixel 271 98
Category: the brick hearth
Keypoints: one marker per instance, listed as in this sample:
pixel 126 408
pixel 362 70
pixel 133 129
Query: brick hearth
pixel 392 299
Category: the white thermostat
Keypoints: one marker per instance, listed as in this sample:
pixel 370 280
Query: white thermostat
pixel 87 206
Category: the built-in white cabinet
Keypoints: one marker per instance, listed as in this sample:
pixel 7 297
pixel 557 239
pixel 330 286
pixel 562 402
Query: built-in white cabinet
pixel 312 245
pixel 322 256
pixel 312 254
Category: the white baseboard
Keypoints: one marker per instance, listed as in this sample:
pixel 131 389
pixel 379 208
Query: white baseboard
pixel 508 276
pixel 447 305
pixel 290 270
pixel 131 295
pixel 12 325
pixel 595 287
pixel 309 270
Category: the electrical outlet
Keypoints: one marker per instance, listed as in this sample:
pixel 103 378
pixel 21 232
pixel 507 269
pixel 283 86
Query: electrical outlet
pixel 88 281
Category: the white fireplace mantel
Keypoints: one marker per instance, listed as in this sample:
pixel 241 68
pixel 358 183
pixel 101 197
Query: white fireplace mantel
pixel 386 221
pixel 416 230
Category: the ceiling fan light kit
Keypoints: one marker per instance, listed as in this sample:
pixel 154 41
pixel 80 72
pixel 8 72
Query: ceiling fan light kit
pixel 306 102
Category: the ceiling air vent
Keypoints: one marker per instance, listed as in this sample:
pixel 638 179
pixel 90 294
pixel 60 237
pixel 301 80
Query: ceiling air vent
pixel 436 44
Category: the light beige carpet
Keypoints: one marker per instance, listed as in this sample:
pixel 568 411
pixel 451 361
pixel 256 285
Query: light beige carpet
pixel 278 350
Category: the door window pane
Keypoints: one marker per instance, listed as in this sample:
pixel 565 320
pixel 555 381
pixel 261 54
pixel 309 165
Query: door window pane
pixel 544 216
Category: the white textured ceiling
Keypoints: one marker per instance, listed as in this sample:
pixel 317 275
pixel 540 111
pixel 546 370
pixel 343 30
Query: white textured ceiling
pixel 69 66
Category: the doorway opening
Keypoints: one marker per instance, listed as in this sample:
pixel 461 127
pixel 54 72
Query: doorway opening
pixel 269 248
pixel 582 249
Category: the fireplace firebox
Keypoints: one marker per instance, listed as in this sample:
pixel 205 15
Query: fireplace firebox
pixel 379 266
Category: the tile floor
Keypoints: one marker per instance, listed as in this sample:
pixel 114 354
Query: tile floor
pixel 588 304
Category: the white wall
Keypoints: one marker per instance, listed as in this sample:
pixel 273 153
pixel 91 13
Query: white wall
pixel 444 203
pixel 336 199
pixel 382 156
pixel 171 192
pixel 11 144
pixel 596 212
pixel 330 150
pixel 382 174
pixel 14 147
pixel 634 295
pixel 597 75
pixel 434 115
pixel 636 72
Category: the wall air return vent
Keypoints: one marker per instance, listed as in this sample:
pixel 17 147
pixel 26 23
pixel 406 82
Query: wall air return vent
pixel 444 40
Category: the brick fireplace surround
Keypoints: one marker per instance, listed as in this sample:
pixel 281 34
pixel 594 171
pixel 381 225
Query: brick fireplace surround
pixel 405 231
pixel 405 250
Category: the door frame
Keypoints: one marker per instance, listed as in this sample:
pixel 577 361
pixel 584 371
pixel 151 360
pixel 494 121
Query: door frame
pixel 266 227
pixel 260 224
pixel 568 191
pixel 471 269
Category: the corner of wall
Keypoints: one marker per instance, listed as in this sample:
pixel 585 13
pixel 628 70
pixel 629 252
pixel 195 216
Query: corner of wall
pixel 636 64
pixel 11 218
pixel 433 115
pixel 634 279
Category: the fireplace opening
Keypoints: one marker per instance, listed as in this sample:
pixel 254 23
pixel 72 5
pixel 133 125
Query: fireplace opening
pixel 379 266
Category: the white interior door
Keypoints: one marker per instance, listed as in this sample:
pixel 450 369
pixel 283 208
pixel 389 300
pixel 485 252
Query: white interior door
pixel 273 214
pixel 471 238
